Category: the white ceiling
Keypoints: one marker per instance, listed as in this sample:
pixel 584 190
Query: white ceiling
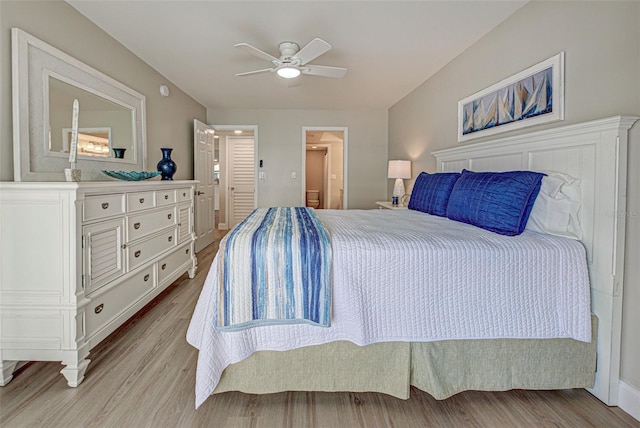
pixel 389 47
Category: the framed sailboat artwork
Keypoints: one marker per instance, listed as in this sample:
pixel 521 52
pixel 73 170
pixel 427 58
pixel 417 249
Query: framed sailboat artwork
pixel 531 97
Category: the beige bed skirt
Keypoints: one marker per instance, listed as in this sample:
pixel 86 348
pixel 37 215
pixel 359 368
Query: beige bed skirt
pixel 440 368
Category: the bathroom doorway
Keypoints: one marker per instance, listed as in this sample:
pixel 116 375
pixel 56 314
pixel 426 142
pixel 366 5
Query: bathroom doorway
pixel 324 167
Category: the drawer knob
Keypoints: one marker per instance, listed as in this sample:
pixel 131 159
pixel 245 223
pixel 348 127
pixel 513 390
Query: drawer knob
pixel 141 200
pixel 146 278
pixel 166 196
pixel 184 194
pixel 169 216
pixel 99 308
pixel 170 238
pixel 164 266
pixel 105 205
pixel 136 225
pixel 137 254
pixel 187 252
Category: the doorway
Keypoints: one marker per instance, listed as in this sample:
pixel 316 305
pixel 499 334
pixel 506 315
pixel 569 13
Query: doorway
pixel 324 167
pixel 236 173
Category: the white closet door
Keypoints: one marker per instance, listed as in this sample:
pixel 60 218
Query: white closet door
pixel 241 179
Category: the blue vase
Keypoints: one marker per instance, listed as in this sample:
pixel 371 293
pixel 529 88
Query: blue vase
pixel 166 166
pixel 118 152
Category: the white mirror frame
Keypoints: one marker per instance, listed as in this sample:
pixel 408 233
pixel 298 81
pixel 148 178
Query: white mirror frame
pixel 32 62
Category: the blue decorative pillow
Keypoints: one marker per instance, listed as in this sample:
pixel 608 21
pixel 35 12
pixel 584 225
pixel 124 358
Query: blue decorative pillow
pixel 431 192
pixel 497 201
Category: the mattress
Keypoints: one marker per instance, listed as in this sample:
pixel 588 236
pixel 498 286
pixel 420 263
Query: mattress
pixel 402 275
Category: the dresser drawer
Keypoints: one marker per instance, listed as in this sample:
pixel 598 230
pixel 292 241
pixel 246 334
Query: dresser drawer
pixel 168 265
pixel 165 197
pixel 140 253
pixel 140 201
pixel 184 194
pixel 105 307
pixel 140 225
pixel 96 207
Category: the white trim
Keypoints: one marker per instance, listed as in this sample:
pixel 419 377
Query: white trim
pixel 629 399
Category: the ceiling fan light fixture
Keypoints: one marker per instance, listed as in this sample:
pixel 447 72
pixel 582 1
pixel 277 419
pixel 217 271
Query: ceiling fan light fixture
pixel 288 72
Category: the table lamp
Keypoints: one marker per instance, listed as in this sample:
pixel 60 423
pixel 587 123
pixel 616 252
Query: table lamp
pixel 399 169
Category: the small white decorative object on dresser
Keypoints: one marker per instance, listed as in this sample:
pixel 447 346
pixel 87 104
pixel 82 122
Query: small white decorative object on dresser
pixel 77 259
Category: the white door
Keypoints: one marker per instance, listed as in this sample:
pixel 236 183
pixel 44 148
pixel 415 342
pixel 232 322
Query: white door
pixel 241 170
pixel 203 152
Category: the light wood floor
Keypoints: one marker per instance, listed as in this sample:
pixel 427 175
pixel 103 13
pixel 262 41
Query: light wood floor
pixel 143 376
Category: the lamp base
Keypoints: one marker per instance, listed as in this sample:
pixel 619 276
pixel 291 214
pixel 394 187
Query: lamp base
pixel 398 188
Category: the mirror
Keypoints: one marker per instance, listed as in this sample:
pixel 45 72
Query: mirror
pixel 102 126
pixel 111 120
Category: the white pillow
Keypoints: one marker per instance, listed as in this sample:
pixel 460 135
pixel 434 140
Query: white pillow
pixel 556 210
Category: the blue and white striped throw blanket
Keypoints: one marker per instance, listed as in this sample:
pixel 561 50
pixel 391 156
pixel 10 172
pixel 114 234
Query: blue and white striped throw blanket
pixel 274 268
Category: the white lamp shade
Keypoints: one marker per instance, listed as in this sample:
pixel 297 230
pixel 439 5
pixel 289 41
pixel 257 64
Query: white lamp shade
pixel 399 169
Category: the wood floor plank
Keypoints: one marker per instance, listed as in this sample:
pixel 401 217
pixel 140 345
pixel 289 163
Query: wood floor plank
pixel 143 375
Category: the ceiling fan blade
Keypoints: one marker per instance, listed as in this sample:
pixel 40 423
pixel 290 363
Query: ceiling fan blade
pixel 256 52
pixel 313 50
pixel 324 71
pixel 249 73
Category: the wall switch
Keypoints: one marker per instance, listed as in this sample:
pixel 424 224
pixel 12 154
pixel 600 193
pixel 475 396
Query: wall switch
pixel 293 174
pixel 261 175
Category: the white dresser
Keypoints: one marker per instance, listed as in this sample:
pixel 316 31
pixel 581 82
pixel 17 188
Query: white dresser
pixel 79 259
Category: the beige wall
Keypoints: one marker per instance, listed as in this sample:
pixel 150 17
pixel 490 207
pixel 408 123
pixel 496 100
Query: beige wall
pixel 280 146
pixel 601 41
pixel 169 120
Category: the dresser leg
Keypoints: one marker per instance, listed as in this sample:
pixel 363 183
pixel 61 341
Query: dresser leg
pixel 7 371
pixel 74 373
pixel 192 271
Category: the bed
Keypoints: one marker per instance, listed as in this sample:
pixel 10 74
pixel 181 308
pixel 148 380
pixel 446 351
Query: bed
pixel 362 351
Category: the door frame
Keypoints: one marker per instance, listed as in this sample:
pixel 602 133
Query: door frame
pixel 224 176
pixel 345 159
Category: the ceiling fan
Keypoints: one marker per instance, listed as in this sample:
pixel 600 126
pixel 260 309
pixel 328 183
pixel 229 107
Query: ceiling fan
pixel 293 61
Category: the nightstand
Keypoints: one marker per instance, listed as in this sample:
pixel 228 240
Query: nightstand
pixel 389 206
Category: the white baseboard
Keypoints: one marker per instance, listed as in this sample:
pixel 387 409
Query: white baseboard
pixel 629 399
pixel 222 226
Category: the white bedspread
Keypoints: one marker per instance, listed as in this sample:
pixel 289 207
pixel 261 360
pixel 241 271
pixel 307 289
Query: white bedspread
pixel 403 275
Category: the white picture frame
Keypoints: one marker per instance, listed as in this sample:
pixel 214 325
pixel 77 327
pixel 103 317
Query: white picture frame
pixel 531 97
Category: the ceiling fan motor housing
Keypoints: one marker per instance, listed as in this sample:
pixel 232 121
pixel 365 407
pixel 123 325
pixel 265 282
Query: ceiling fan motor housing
pixel 287 50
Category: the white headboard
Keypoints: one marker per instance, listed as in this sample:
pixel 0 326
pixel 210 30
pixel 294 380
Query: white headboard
pixel 595 152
